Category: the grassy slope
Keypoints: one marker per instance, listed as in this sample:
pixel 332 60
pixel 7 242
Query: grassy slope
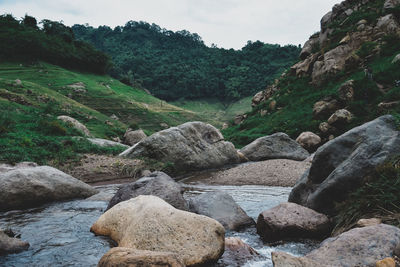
pixel 29 129
pixel 214 111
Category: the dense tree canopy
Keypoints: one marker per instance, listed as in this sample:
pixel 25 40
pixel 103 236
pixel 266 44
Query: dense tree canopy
pixel 52 42
pixel 175 65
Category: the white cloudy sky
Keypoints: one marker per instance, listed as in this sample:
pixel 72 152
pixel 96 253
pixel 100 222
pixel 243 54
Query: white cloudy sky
pixel 227 23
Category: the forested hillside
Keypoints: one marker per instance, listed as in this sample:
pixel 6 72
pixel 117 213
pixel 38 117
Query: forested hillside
pixel 177 65
pixel 52 42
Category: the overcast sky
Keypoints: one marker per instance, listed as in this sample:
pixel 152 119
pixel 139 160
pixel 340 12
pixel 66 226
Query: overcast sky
pixel 227 23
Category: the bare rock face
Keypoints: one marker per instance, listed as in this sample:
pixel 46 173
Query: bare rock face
pixel 188 147
pixel 290 221
pixel 9 245
pixel 276 146
pixel 305 67
pixel 133 137
pixel 340 118
pixel 357 247
pixel 325 108
pixel 150 223
pixel 237 253
pixel 333 62
pixel 75 124
pixel 221 207
pixel 28 187
pixel 308 140
pixel 258 98
pixel 128 257
pixel 340 166
pixel 389 25
pixel 346 91
pixel 309 47
pixel 157 184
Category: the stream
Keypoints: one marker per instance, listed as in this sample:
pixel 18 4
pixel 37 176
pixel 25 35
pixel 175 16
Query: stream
pixel 59 233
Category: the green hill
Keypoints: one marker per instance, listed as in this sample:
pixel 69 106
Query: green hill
pixel 354 37
pixel 28 127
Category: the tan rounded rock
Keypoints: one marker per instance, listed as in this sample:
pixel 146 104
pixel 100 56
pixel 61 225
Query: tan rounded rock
pixel 387 262
pixel 150 223
pixel 75 124
pixel 133 137
pixel 308 140
pixel 128 257
pixel 368 222
pixel 340 117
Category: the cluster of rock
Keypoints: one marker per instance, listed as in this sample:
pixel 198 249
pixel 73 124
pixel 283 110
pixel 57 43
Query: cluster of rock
pixel 320 66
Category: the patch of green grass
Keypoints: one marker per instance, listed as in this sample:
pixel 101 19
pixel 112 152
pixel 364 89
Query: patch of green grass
pixel 378 198
pixel 215 111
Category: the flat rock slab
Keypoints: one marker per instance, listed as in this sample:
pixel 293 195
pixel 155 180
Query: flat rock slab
pixel 221 207
pixel 276 172
pixel 150 223
pixel 291 221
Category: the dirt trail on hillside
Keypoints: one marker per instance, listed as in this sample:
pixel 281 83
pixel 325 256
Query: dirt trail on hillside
pixel 279 172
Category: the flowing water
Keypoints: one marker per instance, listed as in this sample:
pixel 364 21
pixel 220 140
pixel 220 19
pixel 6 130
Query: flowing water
pixel 59 233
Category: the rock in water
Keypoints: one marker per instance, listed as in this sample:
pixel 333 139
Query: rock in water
pixel 28 187
pixel 290 221
pixel 276 146
pixel 357 247
pixel 188 147
pixel 221 207
pixel 237 253
pixel 340 166
pixel 75 124
pixel 150 223
pixel 10 245
pixel 128 257
pixel 157 184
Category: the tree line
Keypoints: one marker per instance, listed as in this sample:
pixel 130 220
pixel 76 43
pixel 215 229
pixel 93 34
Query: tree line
pixel 176 65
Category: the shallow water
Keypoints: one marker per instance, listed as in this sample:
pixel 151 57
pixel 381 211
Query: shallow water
pixel 59 233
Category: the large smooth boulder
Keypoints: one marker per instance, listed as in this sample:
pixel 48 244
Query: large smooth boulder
pixel 128 257
pixel 75 124
pixel 276 146
pixel 27 187
pixel 237 253
pixel 291 221
pixel 340 166
pixel 150 223
pixel 133 137
pixel 157 184
pixel 188 147
pixel 357 247
pixel 106 143
pixel 221 207
pixel 10 245
pixel 325 108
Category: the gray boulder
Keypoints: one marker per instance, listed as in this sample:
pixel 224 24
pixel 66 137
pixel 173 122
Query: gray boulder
pixel 291 221
pixel 276 146
pixel 357 247
pixel 340 166
pixel 221 207
pixel 133 137
pixel 32 186
pixel 9 245
pixel 157 184
pixel 106 143
pixel 188 147
pixel 237 253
